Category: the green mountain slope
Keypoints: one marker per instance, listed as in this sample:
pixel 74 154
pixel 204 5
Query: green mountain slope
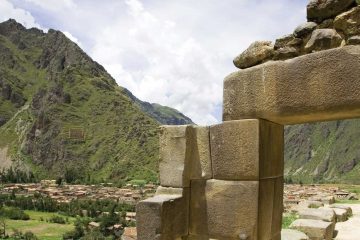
pixel 62 114
pixel 323 152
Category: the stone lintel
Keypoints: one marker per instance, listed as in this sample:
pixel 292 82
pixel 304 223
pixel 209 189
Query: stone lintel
pixel 321 86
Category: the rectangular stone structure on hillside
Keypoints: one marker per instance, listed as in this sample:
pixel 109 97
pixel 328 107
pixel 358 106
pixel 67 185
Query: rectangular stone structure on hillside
pixel 320 86
pixel 247 150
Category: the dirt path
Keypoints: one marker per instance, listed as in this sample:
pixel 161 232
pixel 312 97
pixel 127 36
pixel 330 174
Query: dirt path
pixel 350 230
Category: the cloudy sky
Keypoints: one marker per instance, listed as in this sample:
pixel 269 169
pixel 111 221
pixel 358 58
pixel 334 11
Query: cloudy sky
pixel 173 52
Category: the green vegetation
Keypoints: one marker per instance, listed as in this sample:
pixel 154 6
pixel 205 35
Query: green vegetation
pixel 13 213
pixel 288 218
pixel 42 229
pixel 347 201
pixel 62 115
pixel 48 219
pixel 314 205
pixel 326 152
pixel 73 208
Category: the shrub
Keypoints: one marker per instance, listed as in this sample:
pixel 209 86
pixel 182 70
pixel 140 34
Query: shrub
pixel 23 236
pixel 14 213
pixel 57 219
pixel 288 219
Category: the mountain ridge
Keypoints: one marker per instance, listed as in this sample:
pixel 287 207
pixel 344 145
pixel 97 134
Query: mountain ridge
pixel 62 114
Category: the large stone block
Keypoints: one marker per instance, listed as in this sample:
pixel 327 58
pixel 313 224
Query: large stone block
pixel 223 209
pixel 341 214
pixel 290 234
pixel 184 155
pixel 315 87
pixel 347 208
pixel 174 164
pixel 247 150
pixel 315 229
pixel 270 208
pixel 325 214
pixel 164 216
pixel 200 156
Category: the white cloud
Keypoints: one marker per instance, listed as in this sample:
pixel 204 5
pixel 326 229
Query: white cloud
pixel 53 5
pixel 7 10
pixel 72 38
pixel 176 53
pixel 160 65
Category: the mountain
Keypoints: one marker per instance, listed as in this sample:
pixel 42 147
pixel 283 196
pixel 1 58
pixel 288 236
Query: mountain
pixel 323 152
pixel 163 114
pixel 62 114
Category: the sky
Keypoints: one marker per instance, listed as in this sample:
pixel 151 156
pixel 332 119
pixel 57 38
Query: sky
pixel 172 52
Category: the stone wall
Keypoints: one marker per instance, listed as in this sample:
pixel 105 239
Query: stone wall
pixel 225 181
pixel 331 24
pixel 218 182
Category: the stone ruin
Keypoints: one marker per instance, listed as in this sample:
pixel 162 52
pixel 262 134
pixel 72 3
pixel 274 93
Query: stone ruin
pixel 225 181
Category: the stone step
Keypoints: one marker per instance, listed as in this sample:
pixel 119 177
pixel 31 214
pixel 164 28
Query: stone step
pixel 314 229
pixel 291 234
pixel 325 214
pixel 347 208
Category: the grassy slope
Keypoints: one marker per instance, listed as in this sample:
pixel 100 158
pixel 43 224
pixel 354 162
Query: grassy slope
pixel 42 229
pixel 120 139
pixel 323 152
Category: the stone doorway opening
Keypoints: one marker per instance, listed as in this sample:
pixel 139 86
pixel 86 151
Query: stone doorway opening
pixel 225 181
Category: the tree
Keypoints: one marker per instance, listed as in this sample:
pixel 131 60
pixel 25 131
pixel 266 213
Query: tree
pixel 59 181
pixel 2 227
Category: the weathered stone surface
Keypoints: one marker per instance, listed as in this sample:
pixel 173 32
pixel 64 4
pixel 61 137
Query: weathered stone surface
pixel 286 53
pixel 198 225
pixel 341 214
pixel 304 89
pixel 296 42
pixel 217 213
pixel 290 234
pixel 164 216
pixel 328 199
pixel 355 40
pixel 328 23
pixel 200 155
pixel 256 53
pixel 283 41
pixel 240 149
pixel 174 161
pixel 235 150
pixel 184 154
pixel 278 207
pixel 322 39
pixel 270 207
pixel 304 29
pixel 347 208
pixel 349 22
pixel 319 10
pixel 271 148
pixel 325 214
pixel 129 233
pixel 315 229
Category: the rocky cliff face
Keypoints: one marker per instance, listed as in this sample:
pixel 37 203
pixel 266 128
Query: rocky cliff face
pixel 61 112
pixel 323 152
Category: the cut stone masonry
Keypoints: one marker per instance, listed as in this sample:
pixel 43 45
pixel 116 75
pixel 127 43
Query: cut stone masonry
pixel 225 182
